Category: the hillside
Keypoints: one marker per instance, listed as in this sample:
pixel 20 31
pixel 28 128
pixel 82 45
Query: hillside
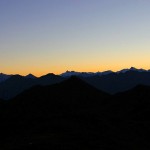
pixel 75 115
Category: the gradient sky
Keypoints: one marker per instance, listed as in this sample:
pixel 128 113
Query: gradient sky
pixel 42 36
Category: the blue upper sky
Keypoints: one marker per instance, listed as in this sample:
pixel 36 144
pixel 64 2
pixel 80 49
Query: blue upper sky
pixel 41 36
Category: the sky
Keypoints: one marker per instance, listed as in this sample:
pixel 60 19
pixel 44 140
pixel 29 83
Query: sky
pixel 45 36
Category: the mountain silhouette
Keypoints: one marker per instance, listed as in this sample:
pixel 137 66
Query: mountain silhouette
pixel 17 84
pixel 108 81
pixel 136 99
pixel 30 76
pixel 49 79
pixel 52 116
pixel 74 115
pixel 118 82
pixel 4 77
pixel 72 92
pixel 90 74
pixel 14 85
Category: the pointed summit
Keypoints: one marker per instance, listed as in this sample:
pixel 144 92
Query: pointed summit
pixel 49 79
pixel 30 76
pixel 70 73
pixel 139 70
pixel 74 83
pixel 133 69
pixel 48 75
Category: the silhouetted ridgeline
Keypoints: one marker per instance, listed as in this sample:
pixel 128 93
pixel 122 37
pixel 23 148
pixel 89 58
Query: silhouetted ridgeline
pixel 74 115
pixel 4 77
pixel 108 81
pixel 117 82
pixel 17 84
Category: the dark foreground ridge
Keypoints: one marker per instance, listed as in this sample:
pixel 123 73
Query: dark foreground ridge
pixel 110 82
pixel 73 115
pixel 17 84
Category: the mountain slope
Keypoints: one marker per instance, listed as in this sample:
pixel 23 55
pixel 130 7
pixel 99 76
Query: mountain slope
pixel 4 77
pixel 17 84
pixel 14 85
pixel 70 93
pixel 114 82
pixel 59 115
pixel 108 81
pixel 49 79
pixel 135 100
pixel 74 115
pixel 130 111
pixel 30 76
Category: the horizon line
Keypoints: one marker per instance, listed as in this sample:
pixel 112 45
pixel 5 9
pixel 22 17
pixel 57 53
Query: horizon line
pixel 115 71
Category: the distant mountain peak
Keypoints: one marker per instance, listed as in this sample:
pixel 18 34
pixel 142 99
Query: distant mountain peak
pixel 30 76
pixel 70 73
pixel 81 74
pixel 133 68
pixel 2 73
pixel 107 72
pixel 74 81
pixel 77 84
pixel 51 74
pixel 16 76
pixel 48 75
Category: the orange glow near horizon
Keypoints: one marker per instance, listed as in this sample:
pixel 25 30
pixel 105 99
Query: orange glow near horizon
pixel 95 36
pixel 39 72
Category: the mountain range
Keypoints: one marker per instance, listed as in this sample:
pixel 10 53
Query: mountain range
pixel 74 115
pixel 89 74
pixel 108 81
pixel 4 77
pixel 16 84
